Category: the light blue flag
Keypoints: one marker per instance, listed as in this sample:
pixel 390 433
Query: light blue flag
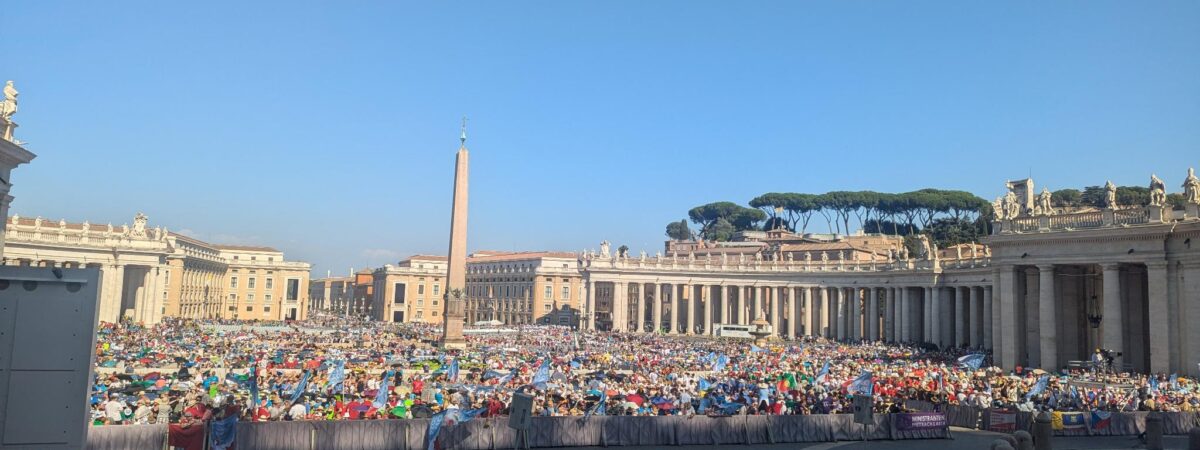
pixel 505 379
pixel 703 385
pixel 381 397
pixel 722 361
pixel 599 408
pixel 452 372
pixel 337 375
pixel 435 427
pixel 543 373
pixel 254 384
pixel 974 360
pixel 704 402
pixel 1154 385
pixel 300 387
pixel 864 384
pixel 757 349
pixel 824 373
pixel 1039 387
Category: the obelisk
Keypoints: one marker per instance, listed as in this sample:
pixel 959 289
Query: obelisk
pixel 456 269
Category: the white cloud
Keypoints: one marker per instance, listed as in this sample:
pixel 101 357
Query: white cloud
pixel 380 254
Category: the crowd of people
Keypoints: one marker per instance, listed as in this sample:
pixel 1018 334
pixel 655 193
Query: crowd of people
pixel 341 369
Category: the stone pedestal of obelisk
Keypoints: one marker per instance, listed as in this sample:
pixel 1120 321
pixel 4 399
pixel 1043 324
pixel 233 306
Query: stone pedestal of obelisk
pixel 452 336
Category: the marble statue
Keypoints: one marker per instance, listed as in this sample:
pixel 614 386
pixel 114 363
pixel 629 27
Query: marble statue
pixel 1158 191
pixel 37 223
pixel 691 256
pixel 724 258
pixel 165 233
pixel 1012 209
pixel 903 253
pixel 824 256
pixel 110 229
pixel 1110 195
pixel 139 225
pixel 957 252
pixel 807 256
pixel 1191 187
pixel 642 256
pixel 788 257
pixel 1044 205
pixel 604 249
pixel 16 218
pixel 86 227
pixel 157 233
pixel 998 208
pixel 974 251
pixel 658 255
pixel 9 106
pixel 757 256
pixel 62 224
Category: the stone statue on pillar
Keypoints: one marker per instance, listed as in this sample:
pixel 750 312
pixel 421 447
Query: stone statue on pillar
pixel 604 249
pixel 1110 195
pixel 139 225
pixel 8 107
pixel 1191 187
pixel 1158 191
pixel 642 256
pixel 1045 206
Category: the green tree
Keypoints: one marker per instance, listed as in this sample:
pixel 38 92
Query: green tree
pixel 1133 196
pixel 747 219
pixel 1177 201
pixel 799 209
pixel 1092 196
pixel 623 250
pixel 947 231
pixel 679 231
pixel 721 230
pixel 888 227
pixel 1066 197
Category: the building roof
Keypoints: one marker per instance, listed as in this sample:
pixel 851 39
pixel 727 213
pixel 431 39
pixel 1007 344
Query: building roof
pixel 425 258
pixel 245 248
pixel 486 256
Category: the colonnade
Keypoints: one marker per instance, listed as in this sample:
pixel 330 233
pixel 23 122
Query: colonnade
pixel 947 316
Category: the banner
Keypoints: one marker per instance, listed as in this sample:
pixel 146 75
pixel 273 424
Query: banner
pixel 920 421
pixel 1068 420
pixel 1002 420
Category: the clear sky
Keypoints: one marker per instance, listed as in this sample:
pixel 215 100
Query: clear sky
pixel 328 129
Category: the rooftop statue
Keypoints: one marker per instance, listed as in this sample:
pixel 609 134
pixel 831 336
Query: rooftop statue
pixel 1191 187
pixel 1158 191
pixel 1110 195
pixel 9 106
pixel 1044 205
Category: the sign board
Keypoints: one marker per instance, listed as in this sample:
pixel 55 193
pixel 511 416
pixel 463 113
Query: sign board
pixel 864 409
pixel 47 342
pixel 920 421
pixel 520 411
pixel 1002 420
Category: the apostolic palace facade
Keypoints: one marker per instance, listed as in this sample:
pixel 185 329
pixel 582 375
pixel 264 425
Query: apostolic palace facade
pixel 1046 288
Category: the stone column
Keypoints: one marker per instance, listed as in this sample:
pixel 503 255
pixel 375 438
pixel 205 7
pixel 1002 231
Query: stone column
pixel 905 316
pixel 889 315
pixel 928 304
pixel 1006 285
pixel 840 318
pixel 788 308
pixel 987 317
pixel 960 315
pixel 620 306
pixel 872 321
pixel 1047 312
pixel 935 318
pixel 1160 329
pixel 976 308
pixel 855 316
pixel 689 313
pixel 810 320
pixel 707 298
pixel 656 309
pixel 674 298
pixel 589 290
pixel 820 314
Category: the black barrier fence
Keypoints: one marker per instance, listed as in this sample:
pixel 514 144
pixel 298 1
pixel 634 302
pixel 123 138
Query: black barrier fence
pixel 1116 424
pixel 484 434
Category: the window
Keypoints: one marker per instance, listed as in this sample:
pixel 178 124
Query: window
pixel 267 298
pixel 266 309
pixel 420 315
pixel 270 283
pixel 249 308
pixel 566 292
pixel 547 307
pixel 233 308
pixel 250 297
pixel 420 302
pixel 293 289
pixel 398 295
pixel 250 283
pixel 549 294
pixel 435 302
pixel 233 282
pixel 233 298
pixel 436 289
pixel 420 289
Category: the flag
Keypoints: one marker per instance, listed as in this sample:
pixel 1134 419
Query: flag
pixel 435 426
pixel 704 402
pixel 466 416
pixel 1154 385
pixel 543 373
pixel 337 375
pixel 224 432
pixel 599 408
pixel 190 438
pixel 1067 420
pixel 1101 420
pixel 720 364
pixel 703 385
pixel 575 364
pixel 254 384
pixel 505 379
pixel 1039 387
pixel 300 387
pixel 824 373
pixel 864 384
pixel 730 408
pixel 381 397
pixel 757 349
pixel 974 361
pixel 452 372
pixel 1174 380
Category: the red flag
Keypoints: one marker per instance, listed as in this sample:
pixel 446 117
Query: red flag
pixel 190 438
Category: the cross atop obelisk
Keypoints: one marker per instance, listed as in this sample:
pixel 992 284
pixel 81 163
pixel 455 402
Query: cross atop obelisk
pixel 452 337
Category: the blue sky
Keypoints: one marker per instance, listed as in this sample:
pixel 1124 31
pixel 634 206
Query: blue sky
pixel 328 129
